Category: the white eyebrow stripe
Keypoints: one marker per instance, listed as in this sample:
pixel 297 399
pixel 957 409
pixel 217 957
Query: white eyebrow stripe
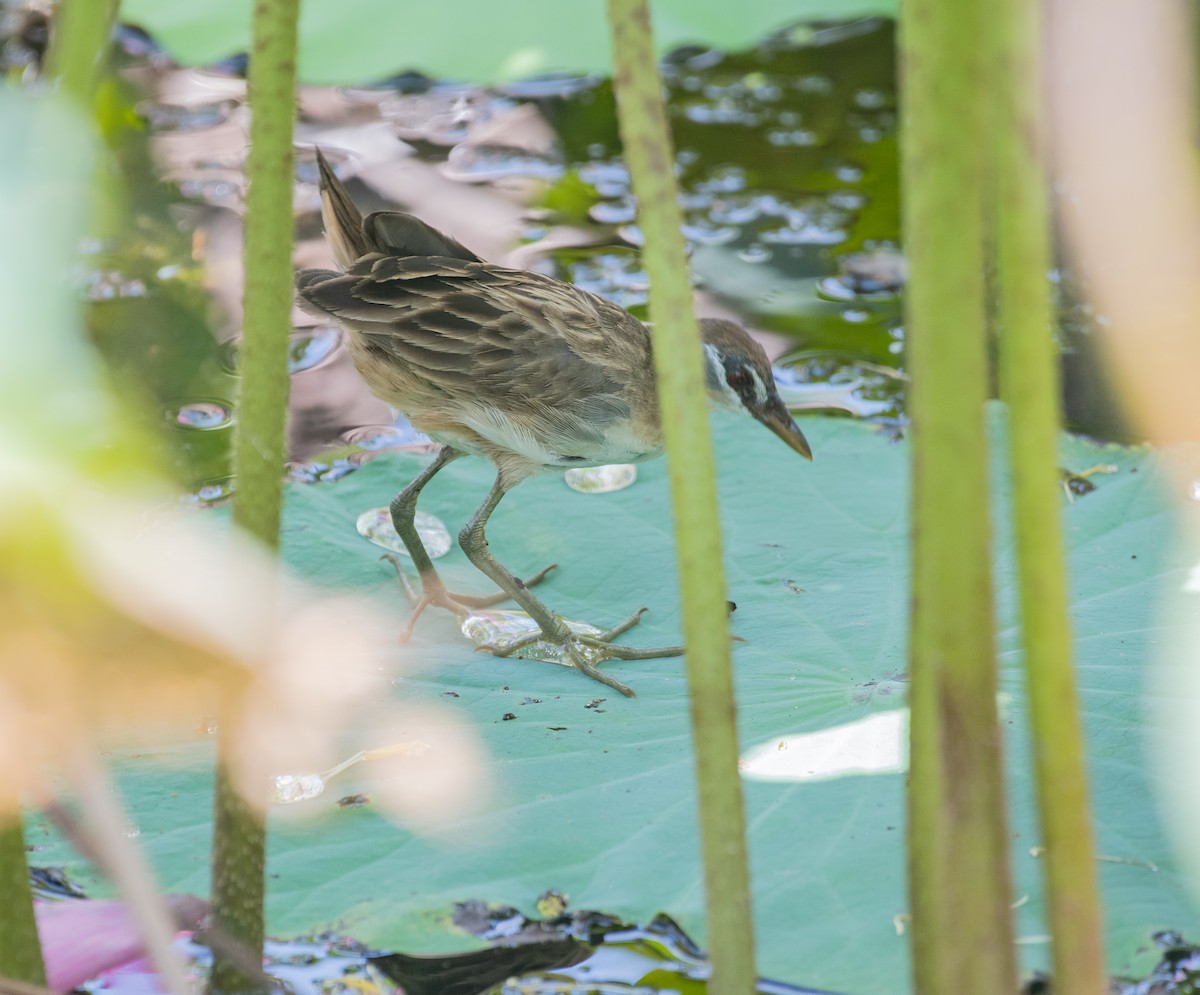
pixel 760 389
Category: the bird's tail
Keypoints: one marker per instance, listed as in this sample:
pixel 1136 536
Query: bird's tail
pixel 343 221
pixel 390 233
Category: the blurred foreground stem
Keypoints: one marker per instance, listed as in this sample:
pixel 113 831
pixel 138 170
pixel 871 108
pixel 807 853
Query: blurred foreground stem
pixel 20 949
pixel 75 59
pixel 957 837
pixel 120 859
pixel 79 47
pixel 1029 382
pixel 239 843
pixel 678 364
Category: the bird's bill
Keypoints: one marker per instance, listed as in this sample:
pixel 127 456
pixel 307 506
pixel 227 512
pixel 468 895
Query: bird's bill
pixel 777 418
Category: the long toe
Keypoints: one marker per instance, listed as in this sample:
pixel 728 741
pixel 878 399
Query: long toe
pixel 488 600
pixel 433 593
pixel 571 644
pixel 438 600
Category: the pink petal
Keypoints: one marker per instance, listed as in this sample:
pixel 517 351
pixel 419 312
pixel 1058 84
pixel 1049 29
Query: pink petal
pixel 82 938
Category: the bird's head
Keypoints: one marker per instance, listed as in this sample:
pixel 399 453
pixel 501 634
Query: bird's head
pixel 738 375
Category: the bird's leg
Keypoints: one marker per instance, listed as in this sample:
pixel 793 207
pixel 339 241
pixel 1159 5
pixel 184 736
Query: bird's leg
pixel 404 514
pixel 433 591
pixel 474 543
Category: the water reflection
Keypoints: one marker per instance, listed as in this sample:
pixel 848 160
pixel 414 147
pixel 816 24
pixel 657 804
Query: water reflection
pixel 788 174
pixel 203 415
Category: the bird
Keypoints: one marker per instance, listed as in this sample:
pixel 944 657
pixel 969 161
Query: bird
pixel 527 371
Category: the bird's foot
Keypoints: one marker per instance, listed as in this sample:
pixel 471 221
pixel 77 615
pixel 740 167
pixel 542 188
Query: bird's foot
pixel 575 644
pixel 433 592
pixel 487 600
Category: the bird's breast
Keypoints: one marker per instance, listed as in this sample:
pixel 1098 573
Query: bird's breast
pixel 555 439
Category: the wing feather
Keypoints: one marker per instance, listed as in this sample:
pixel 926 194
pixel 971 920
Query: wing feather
pixel 526 340
pixel 534 367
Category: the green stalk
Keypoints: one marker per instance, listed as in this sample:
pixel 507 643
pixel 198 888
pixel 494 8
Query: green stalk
pixel 957 839
pixel 20 948
pixel 259 446
pixel 80 46
pixel 239 833
pixel 678 365
pixel 1029 381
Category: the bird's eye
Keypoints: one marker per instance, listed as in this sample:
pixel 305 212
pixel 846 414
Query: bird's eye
pixel 739 378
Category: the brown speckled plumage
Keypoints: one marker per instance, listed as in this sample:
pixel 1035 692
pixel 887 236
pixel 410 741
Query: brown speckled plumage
pixel 525 370
pixel 437 336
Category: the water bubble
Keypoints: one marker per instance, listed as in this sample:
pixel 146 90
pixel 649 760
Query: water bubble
pixel 307 350
pixel 601 479
pixel 805 232
pixel 813 84
pixel 611 179
pixel 872 100
pixel 616 274
pixel 316 471
pixel 880 271
pixel 378 437
pixel 755 253
pixel 499 628
pixel 704 232
pixel 801 137
pixel 202 416
pixel 107 285
pixel 614 212
pixel 726 178
pixel 736 209
pixel 856 316
pixel 847 200
pixel 287 789
pixel 706 59
pixel 211 492
pixel 831 288
pixel 766 91
pixel 376 525
pixel 830 380
pixel 848 172
pixel 723 111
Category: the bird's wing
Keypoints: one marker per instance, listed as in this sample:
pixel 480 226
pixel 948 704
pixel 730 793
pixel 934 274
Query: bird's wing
pixel 537 349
